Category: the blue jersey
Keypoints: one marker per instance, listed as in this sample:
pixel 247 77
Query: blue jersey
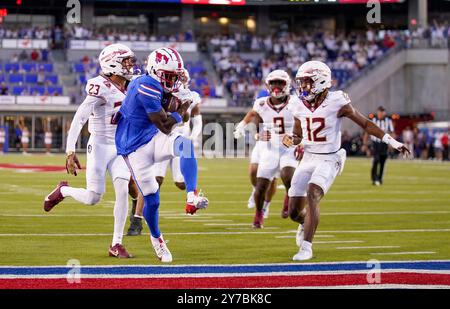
pixel 134 128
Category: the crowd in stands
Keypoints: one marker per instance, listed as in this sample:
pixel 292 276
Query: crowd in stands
pixel 345 54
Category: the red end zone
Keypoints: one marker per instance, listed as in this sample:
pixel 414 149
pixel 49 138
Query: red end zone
pixel 286 281
pixel 33 168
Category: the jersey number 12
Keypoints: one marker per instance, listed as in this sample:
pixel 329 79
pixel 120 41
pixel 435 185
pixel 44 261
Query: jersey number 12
pixel 313 134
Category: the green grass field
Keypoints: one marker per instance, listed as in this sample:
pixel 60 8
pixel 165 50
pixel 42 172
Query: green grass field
pixel 408 218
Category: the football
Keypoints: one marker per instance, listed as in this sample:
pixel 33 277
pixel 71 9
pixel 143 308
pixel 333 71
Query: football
pixel 170 103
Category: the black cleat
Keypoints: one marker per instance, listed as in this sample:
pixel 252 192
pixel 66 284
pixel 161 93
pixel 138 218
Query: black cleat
pixel 135 228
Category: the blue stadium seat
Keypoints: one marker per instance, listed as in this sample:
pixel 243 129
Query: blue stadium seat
pixel 52 78
pixel 2 78
pixel 29 67
pixel 53 89
pixel 15 78
pixel 48 67
pixel 37 90
pixel 82 79
pixel 17 90
pixel 31 78
pixel 11 67
pixel 78 68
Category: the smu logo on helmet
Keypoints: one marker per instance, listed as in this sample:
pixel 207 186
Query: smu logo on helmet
pixel 160 57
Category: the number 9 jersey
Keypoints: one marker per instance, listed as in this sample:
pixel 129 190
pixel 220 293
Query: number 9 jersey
pixel 321 126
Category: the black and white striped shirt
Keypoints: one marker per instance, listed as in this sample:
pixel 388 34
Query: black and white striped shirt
pixel 385 124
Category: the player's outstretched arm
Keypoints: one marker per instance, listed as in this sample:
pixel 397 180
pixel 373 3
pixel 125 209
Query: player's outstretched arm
pixel 78 121
pixel 240 128
pixel 370 127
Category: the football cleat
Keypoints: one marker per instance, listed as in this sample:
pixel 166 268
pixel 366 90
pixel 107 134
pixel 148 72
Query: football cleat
pixel 285 211
pixel 258 221
pixel 195 201
pixel 55 197
pixel 135 228
pixel 119 251
pixel 305 252
pixel 300 235
pixel 162 252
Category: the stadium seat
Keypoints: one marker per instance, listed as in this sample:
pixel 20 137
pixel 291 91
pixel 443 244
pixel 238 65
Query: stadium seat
pixel 31 78
pixel 37 90
pixel 17 90
pixel 82 79
pixel 53 89
pixel 15 78
pixel 11 67
pixel 52 78
pixel 48 67
pixel 78 68
pixel 2 78
pixel 28 67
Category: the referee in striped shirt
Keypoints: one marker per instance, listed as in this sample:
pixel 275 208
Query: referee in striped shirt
pixel 379 149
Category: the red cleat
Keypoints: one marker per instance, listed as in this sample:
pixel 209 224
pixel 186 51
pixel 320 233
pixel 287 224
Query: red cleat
pixel 55 197
pixel 195 201
pixel 285 211
pixel 258 221
pixel 119 251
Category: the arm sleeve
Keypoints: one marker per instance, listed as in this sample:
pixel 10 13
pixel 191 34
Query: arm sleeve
pixel 196 126
pixel 78 121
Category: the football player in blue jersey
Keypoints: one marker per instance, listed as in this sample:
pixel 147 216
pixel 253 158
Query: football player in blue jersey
pixel 144 136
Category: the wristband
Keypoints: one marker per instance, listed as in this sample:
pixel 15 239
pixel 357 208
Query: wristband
pixel 177 117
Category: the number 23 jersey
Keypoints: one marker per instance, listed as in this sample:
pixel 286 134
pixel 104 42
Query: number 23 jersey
pixel 321 126
pixel 109 98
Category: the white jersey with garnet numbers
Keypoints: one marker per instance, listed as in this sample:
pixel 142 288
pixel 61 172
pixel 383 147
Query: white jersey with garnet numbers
pixel 277 119
pixel 102 101
pixel 110 98
pixel 321 126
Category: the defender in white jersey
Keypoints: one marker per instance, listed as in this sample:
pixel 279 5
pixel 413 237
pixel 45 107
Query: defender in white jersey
pixel 104 97
pixel 276 120
pixel 193 112
pixel 320 113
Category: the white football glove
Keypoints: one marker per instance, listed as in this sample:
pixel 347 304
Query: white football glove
pixel 239 131
pixel 184 95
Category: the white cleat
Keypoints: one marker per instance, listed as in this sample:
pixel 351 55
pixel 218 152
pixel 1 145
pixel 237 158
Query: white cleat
pixel 266 212
pixel 305 252
pixel 300 235
pixel 251 202
pixel 162 252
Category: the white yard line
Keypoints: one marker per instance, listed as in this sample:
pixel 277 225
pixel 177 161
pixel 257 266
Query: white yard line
pixel 366 247
pixel 315 236
pixel 338 242
pixel 403 253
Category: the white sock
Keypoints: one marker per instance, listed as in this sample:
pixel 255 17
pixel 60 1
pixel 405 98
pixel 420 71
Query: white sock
pixel 81 195
pixel 137 216
pixel 306 245
pixel 120 209
pixel 266 205
pixel 190 196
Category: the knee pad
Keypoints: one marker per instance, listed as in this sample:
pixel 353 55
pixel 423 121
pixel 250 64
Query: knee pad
pixel 93 198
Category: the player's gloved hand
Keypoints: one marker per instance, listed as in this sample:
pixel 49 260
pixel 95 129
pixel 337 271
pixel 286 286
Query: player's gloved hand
pixel 72 163
pixel 265 136
pixel 396 145
pixel 299 151
pixel 288 140
pixel 239 131
pixel 184 95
